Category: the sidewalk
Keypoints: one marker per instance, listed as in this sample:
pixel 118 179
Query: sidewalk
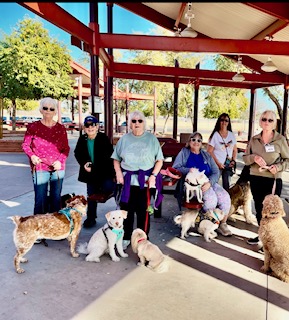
pixel 219 280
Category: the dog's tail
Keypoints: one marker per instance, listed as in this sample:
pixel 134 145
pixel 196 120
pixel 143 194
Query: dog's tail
pixel 82 248
pixel 163 266
pixel 15 219
pixel 178 219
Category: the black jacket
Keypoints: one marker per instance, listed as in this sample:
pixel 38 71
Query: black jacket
pixel 102 168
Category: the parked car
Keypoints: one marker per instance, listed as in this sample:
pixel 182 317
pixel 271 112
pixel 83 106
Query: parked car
pixel 66 120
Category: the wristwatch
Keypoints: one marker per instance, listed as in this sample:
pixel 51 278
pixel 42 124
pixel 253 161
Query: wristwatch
pixel 154 174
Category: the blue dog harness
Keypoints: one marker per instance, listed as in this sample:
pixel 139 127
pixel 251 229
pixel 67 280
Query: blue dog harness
pixel 66 212
pixel 119 232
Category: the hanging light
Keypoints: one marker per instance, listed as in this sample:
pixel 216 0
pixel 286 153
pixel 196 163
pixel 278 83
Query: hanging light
pixel 269 66
pixel 189 31
pixel 238 77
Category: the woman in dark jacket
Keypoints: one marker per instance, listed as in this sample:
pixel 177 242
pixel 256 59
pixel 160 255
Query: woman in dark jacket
pixel 93 153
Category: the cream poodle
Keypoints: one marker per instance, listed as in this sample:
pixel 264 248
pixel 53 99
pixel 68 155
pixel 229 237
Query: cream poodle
pixel 274 234
pixel 149 254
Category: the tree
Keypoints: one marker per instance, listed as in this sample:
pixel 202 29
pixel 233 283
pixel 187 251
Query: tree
pixel 33 65
pixel 229 100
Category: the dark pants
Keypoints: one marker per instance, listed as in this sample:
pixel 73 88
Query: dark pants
pixel 261 187
pixel 47 190
pixel 226 178
pixel 107 187
pixel 137 204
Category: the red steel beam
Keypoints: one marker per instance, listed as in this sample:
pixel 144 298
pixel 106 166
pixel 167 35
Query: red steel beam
pixel 162 43
pixel 171 72
pixel 190 80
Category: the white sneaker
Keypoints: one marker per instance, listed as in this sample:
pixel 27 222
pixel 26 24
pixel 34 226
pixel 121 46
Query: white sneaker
pixel 224 230
pixel 125 244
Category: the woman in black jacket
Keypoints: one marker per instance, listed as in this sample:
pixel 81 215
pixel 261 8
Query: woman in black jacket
pixel 93 153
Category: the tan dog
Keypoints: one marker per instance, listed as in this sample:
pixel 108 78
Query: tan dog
pixel 54 226
pixel 105 239
pixel 241 196
pixel 274 234
pixel 149 254
pixel 207 222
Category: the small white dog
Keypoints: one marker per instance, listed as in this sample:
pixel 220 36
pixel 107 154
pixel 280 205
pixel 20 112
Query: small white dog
pixel 193 183
pixel 106 238
pixel 207 222
pixel 149 254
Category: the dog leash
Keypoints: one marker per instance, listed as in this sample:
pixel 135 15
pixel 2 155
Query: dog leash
pixel 118 193
pixel 264 168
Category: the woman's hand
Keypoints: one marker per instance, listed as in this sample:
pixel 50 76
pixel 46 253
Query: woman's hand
pixel 35 160
pixel 119 177
pixel 273 169
pixel 206 186
pixel 260 161
pixel 152 181
pixel 56 165
pixel 87 166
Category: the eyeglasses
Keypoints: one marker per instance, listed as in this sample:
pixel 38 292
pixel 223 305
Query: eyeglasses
pixel 224 120
pixel 137 120
pixel 46 108
pixel 265 119
pixel 88 124
pixel 194 139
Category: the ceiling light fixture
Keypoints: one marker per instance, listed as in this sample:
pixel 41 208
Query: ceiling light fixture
pixel 238 77
pixel 269 65
pixel 189 31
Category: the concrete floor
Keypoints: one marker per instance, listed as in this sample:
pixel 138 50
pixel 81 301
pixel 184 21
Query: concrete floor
pixel 219 280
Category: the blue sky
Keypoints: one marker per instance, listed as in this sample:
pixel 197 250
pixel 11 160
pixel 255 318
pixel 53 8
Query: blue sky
pixel 123 21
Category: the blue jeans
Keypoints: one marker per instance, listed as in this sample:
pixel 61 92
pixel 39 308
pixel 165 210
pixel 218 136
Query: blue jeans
pixel 108 186
pixel 43 201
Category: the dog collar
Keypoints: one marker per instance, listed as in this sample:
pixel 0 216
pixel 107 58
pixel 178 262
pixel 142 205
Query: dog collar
pixel 192 184
pixel 66 212
pixel 119 232
pixel 140 240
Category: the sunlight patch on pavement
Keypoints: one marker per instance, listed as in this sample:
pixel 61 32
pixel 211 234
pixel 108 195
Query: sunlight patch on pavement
pixel 220 259
pixel 10 204
pixel 5 163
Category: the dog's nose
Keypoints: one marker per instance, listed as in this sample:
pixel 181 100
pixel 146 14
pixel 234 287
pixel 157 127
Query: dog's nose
pixel 117 223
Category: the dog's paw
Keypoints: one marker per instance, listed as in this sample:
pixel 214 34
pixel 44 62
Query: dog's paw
pixel 140 264
pixel 75 254
pixel 24 260
pixel 264 269
pixel 124 255
pixel 115 259
pixel 20 270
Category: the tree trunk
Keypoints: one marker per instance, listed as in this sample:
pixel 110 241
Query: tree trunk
pixel 13 114
pixel 165 124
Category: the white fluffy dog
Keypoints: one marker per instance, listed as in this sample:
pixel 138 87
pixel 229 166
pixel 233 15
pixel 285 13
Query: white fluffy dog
pixel 207 222
pixel 106 238
pixel 149 254
pixel 193 183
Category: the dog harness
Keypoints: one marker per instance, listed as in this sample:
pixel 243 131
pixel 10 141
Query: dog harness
pixel 205 216
pixel 66 212
pixel 119 232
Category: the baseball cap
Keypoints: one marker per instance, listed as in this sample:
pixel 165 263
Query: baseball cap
pixel 91 119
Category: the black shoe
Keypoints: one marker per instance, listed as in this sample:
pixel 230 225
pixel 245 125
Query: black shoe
pixel 261 250
pixel 253 240
pixel 89 223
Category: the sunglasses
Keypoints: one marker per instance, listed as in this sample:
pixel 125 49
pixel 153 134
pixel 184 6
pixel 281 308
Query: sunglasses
pixel 46 108
pixel 265 119
pixel 195 139
pixel 88 124
pixel 224 120
pixel 137 120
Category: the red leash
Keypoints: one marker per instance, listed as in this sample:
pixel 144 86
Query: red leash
pixel 147 211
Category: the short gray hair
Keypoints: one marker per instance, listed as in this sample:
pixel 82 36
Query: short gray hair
pixel 136 114
pixel 48 101
pixel 272 114
pixel 196 133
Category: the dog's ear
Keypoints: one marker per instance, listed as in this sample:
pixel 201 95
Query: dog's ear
pixel 124 214
pixel 107 215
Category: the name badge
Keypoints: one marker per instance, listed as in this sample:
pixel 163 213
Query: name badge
pixel 269 148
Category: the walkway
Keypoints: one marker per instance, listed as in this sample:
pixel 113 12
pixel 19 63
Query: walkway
pixel 219 280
